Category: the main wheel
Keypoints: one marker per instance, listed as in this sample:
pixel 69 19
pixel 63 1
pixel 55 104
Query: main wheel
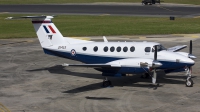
pixel 189 82
pixel 107 83
pixel 145 76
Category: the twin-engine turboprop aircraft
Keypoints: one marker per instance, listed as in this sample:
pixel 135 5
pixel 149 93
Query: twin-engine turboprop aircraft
pixel 113 58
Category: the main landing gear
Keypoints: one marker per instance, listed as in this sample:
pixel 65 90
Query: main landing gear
pixel 189 82
pixel 145 76
pixel 107 83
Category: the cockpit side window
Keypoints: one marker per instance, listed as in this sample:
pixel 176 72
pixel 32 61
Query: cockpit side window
pixel 152 50
pixel 147 49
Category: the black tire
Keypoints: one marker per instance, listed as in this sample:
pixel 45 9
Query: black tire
pixel 107 83
pixel 189 83
pixel 145 76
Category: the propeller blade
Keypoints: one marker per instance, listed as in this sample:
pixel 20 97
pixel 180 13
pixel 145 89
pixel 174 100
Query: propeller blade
pixel 154 76
pixel 190 47
pixel 155 53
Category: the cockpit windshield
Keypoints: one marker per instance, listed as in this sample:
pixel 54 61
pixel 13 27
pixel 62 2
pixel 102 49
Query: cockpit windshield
pixel 159 48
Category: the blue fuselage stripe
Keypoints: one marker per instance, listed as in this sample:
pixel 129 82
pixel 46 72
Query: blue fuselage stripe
pixel 89 59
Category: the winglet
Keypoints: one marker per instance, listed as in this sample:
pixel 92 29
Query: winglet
pixel 105 39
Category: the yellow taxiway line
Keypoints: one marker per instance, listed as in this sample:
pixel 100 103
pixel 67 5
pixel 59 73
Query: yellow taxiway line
pixel 82 38
pixel 3 108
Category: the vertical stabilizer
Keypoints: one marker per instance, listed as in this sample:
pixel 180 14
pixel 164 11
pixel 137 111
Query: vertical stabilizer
pixel 47 32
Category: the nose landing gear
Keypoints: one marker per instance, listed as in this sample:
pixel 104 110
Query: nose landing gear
pixel 189 82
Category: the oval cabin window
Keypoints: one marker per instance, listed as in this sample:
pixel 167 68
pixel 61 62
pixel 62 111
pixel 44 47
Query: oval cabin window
pixel 112 49
pixel 95 49
pixel 118 49
pixel 132 49
pixel 125 49
pixel 84 48
pixel 105 49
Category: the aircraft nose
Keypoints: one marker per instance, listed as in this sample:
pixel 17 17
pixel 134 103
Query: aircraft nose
pixel 189 61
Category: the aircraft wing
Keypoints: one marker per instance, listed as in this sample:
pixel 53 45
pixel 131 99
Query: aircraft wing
pixel 92 65
pixel 176 48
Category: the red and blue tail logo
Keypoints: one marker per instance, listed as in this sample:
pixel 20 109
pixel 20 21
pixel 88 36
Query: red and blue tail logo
pixel 47 30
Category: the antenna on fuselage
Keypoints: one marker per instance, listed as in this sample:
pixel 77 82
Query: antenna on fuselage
pixel 105 39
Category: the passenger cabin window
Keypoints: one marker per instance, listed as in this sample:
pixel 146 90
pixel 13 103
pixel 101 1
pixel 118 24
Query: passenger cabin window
pixel 118 49
pixel 147 49
pixel 84 48
pixel 132 49
pixel 112 49
pixel 125 49
pixel 105 49
pixel 95 49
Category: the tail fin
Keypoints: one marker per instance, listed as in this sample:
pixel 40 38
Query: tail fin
pixel 46 31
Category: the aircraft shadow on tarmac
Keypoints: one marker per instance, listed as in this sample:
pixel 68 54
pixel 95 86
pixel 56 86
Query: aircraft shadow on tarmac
pixel 116 81
pixel 99 98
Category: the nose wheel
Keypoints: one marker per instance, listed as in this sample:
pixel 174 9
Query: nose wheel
pixel 106 83
pixel 189 82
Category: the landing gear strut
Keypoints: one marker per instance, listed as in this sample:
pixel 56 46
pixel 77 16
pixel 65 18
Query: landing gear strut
pixel 189 81
pixel 107 83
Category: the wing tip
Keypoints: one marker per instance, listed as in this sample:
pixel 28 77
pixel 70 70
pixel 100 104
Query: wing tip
pixel 65 64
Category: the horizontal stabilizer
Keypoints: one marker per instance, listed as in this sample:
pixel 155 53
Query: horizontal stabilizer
pixel 31 17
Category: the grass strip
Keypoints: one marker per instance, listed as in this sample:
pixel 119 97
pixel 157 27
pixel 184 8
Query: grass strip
pixel 101 25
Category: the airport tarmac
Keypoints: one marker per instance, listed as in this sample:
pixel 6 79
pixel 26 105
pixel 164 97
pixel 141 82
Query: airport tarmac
pixel 31 81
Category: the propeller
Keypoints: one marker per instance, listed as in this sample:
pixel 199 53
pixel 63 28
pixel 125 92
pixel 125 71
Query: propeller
pixel 190 55
pixel 155 64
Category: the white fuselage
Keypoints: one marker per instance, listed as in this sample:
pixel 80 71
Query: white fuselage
pixel 128 53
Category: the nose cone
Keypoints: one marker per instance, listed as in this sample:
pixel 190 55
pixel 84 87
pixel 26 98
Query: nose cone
pixel 188 61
